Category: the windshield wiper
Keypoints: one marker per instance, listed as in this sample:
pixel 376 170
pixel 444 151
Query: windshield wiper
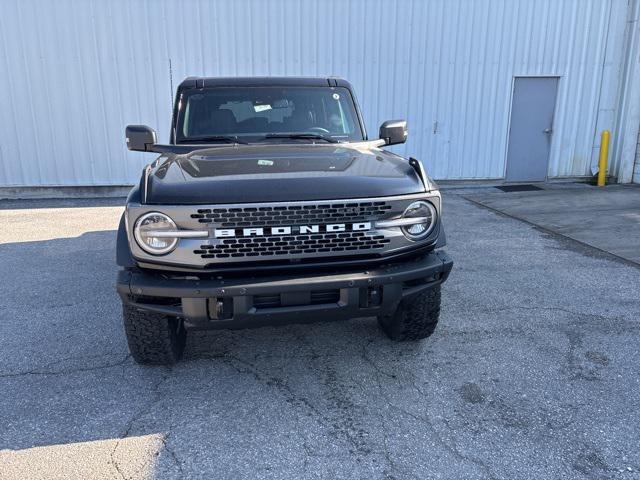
pixel 310 136
pixel 216 138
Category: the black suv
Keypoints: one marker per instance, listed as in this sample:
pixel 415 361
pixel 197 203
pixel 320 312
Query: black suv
pixel 271 205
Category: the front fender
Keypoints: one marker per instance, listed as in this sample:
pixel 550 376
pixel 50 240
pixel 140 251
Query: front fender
pixel 123 252
pixel 442 238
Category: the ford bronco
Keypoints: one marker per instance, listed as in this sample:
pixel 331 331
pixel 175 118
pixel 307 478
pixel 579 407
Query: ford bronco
pixel 271 205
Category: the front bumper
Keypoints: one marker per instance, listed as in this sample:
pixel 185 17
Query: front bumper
pixel 250 302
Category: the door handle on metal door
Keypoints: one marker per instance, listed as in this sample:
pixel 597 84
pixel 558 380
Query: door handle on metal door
pixel 548 131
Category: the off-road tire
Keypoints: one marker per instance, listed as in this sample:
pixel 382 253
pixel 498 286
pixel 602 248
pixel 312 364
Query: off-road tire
pixel 416 317
pixel 153 339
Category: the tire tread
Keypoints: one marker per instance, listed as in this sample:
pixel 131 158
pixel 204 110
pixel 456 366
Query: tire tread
pixel 416 318
pixel 153 339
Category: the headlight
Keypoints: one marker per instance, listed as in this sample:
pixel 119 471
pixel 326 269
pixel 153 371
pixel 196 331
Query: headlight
pixel 151 233
pixel 419 210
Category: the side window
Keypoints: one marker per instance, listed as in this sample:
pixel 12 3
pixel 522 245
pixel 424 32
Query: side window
pixel 187 119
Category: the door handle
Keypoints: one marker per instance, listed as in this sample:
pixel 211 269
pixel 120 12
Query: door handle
pixel 548 131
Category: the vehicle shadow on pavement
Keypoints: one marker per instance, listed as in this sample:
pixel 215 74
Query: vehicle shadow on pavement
pixel 60 300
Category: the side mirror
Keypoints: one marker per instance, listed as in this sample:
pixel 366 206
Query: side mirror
pixel 394 132
pixel 140 138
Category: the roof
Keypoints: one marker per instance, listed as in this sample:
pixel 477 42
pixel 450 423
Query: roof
pixel 204 82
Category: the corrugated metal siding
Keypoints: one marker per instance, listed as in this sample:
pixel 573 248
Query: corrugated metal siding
pixel 636 169
pixel 76 72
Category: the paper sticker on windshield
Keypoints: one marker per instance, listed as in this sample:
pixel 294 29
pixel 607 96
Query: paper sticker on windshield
pixel 336 96
pixel 265 162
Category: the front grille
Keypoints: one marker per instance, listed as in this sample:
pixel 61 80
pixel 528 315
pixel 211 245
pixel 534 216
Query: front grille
pixel 292 245
pixel 333 231
pixel 292 214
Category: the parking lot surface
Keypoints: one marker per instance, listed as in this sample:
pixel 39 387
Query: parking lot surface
pixel 533 371
pixel 604 218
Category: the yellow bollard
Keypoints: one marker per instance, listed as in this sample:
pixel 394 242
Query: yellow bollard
pixel 604 155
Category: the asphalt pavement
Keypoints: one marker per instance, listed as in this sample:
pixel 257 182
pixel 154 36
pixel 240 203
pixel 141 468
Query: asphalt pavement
pixel 533 372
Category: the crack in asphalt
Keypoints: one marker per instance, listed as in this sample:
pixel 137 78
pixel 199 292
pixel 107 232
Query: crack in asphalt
pixel 452 448
pixel 68 371
pixel 391 464
pixel 172 453
pixel 246 367
pixel 560 309
pixel 347 428
pixel 157 397
pixel 478 308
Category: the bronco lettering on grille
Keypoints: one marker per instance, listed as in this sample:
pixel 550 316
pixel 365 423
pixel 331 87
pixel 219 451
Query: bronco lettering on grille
pixel 298 229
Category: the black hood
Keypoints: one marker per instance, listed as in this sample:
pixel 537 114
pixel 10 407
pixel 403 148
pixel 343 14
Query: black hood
pixel 273 173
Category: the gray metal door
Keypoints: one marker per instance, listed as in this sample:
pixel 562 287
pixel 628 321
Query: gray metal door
pixel 532 107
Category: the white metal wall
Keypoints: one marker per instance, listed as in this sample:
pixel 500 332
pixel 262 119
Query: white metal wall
pixel 73 73
pixel 636 169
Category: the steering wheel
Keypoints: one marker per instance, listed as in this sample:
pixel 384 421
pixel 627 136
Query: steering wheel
pixel 318 129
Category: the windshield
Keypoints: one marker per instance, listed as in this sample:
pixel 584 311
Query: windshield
pixel 256 114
